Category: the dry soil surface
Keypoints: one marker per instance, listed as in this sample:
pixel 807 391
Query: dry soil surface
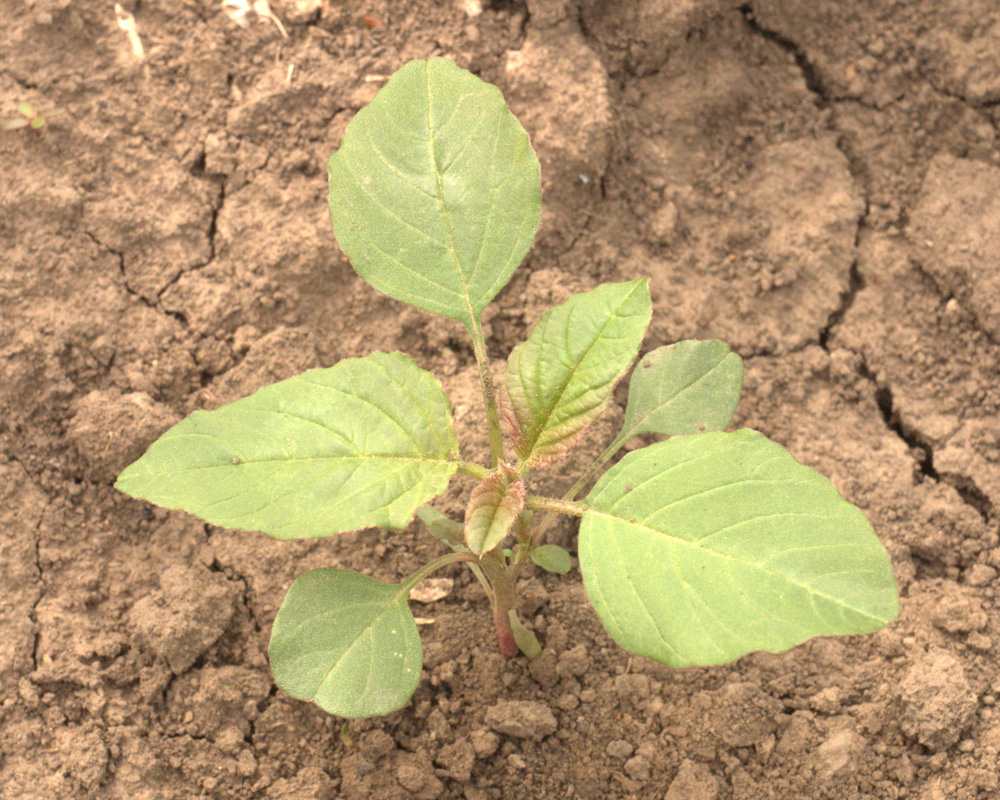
pixel 815 181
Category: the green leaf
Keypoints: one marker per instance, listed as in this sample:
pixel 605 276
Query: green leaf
pixel 524 638
pixel 559 381
pixel 699 549
pixel 362 443
pixel 683 388
pixel 435 191
pixel 441 526
pixel 346 642
pixel 552 558
pixel 493 506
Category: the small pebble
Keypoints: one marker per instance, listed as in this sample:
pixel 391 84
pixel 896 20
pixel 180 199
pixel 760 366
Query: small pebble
pixel 522 719
pixel 638 769
pixel 619 748
pixel 484 742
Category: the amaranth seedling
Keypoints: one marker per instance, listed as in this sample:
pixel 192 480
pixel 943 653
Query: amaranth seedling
pixel 694 550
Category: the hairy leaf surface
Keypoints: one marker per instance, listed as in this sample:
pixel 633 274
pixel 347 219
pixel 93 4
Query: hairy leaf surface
pixel 699 549
pixel 435 191
pixel 559 381
pixel 346 642
pixel 493 506
pixel 362 443
pixel 683 388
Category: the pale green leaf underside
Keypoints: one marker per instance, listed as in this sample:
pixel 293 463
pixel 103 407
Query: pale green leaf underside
pixel 558 382
pixel 684 388
pixel 363 443
pixel 700 549
pixel 346 642
pixel 552 558
pixel 435 191
pixel 441 526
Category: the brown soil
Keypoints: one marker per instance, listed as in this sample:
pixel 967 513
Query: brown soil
pixel 815 181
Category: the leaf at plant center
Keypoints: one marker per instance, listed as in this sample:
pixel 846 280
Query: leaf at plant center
pixel 493 506
pixel 362 443
pixel 699 549
pixel 559 381
pixel 552 558
pixel 683 388
pixel 435 191
pixel 346 642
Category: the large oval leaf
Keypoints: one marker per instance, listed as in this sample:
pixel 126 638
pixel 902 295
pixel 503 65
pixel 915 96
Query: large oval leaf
pixel 362 443
pixel 435 191
pixel 699 549
pixel 561 379
pixel 346 642
pixel 683 388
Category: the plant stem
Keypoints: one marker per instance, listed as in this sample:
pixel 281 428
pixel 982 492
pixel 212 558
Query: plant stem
pixel 437 563
pixel 571 493
pixel 505 633
pixel 538 503
pixel 482 580
pixel 503 581
pixel 489 394
pixel 474 470
pixel 600 461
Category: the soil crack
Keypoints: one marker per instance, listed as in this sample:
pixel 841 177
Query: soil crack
pixel 810 73
pixel 37 553
pixel 814 83
pixel 922 449
pixel 128 289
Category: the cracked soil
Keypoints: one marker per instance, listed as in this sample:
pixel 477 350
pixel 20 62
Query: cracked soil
pixel 817 182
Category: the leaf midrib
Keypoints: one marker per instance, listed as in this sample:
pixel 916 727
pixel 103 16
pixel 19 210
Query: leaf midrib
pixel 365 457
pixel 729 557
pixel 444 209
pixel 634 430
pixel 543 423
pixel 366 629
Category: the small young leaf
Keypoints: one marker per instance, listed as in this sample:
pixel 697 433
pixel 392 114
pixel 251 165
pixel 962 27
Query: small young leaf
pixel 526 640
pixel 365 442
pixel 699 549
pixel 493 506
pixel 435 191
pixel 683 388
pixel 559 381
pixel 346 642
pixel 552 558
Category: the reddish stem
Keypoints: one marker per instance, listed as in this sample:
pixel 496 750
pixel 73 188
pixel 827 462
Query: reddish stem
pixel 505 636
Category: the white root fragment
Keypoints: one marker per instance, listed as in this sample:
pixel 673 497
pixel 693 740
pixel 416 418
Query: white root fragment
pixel 237 11
pixel 262 9
pixel 127 23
